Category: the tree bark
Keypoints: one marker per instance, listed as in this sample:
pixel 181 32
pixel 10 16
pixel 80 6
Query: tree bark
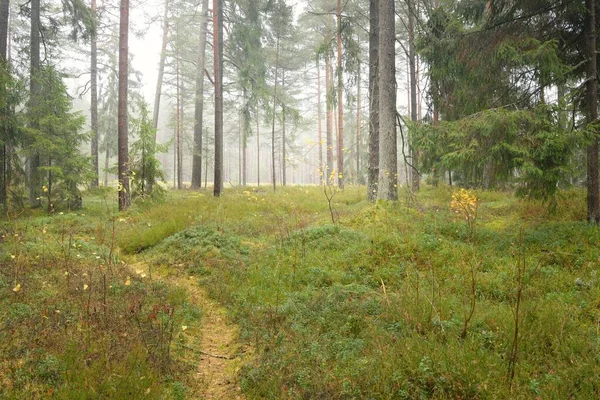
pixel 373 169
pixel 593 195
pixel 34 161
pixel 340 100
pixel 161 68
pixel 283 154
pixel 178 121
pixel 320 124
pixel 388 161
pixel 218 72
pixel 416 181
pixel 4 17
pixel 257 147
pixel 123 157
pixel 329 121
pixel 199 106
pixel 274 113
pixel 4 13
pixel 358 174
pixel 94 96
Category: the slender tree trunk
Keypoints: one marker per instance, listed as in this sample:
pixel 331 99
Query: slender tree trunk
pixel 218 67
pixel 245 129
pixel 49 188
pixel 199 104
pixel 106 162
pixel 34 161
pixel 283 153
pixel 388 161
pixel 161 68
pixel 274 113
pixel 329 121
pixel 4 17
pixel 416 181
pixel 593 196
pixel 358 174
pixel 340 95
pixel 94 96
pixel 373 169
pixel 240 151
pixel 178 126
pixel 4 14
pixel 124 195
pixel 320 124
pixel 257 147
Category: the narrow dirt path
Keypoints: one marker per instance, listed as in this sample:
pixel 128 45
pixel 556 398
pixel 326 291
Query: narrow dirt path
pixel 214 347
pixel 220 350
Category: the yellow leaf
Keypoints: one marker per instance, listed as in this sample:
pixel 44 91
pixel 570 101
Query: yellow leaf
pixel 85 286
pixel 128 281
pixel 184 327
pixel 17 288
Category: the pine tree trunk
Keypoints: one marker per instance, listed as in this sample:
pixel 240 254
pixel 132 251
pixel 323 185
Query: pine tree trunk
pixel 388 161
pixel 94 97
pixel 274 113
pixel 4 13
pixel 161 68
pixel 416 181
pixel 4 16
pixel 320 124
pixel 340 100
pixel 218 72
pixel 257 147
pixel 199 106
pixel 124 195
pixel 283 154
pixel 359 179
pixel 180 92
pixel 373 169
pixel 591 94
pixel 329 112
pixel 34 161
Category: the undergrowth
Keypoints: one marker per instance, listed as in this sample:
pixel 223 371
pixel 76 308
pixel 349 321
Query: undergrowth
pixel 388 301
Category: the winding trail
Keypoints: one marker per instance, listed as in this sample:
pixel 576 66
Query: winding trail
pixel 213 347
pixel 220 350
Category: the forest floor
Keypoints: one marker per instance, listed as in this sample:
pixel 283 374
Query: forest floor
pixel 218 351
pixel 302 293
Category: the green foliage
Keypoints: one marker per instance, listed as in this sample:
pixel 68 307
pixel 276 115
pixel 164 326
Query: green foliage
pixel 501 147
pixel 56 136
pixel 145 169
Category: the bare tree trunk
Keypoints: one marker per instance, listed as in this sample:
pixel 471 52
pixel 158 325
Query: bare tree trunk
pixel 124 195
pixel 257 147
pixel 416 181
pixel 340 100
pixel 4 17
pixel 320 123
pixel 161 67
pixel 94 96
pixel 218 67
pixel 4 14
pixel 199 104
pixel 106 162
pixel 283 154
pixel 178 123
pixel 591 94
pixel 358 174
pixel 373 173
pixel 34 161
pixel 274 113
pixel 388 161
pixel 329 112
